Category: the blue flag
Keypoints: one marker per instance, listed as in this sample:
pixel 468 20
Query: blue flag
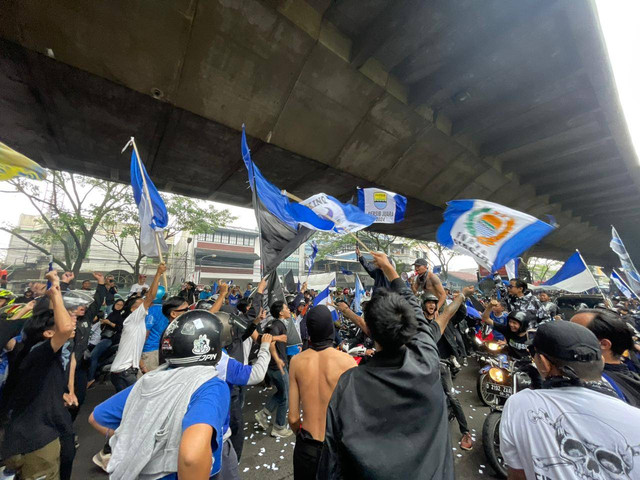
pixel 625 260
pixel 622 286
pixel 344 271
pixel 574 276
pixel 153 216
pixel 358 297
pixel 324 297
pixel 312 257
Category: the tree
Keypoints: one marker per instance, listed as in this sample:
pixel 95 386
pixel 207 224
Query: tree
pixel 185 215
pixel 542 269
pixel 331 244
pixel 70 209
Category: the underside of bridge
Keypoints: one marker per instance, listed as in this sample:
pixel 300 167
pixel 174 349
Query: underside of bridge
pixel 511 101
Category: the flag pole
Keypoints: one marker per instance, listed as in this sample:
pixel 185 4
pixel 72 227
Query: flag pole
pixel 299 200
pixel 606 300
pixel 146 192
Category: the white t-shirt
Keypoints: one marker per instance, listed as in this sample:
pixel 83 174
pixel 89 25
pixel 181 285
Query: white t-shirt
pixel 134 334
pixel 570 433
pixel 137 288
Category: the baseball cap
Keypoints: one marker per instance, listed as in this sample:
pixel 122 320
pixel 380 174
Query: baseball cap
pixel 567 341
pixel 421 261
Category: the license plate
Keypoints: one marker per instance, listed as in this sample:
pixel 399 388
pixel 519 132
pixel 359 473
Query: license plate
pixel 500 390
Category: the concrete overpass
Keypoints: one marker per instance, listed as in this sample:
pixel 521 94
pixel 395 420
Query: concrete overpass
pixel 507 100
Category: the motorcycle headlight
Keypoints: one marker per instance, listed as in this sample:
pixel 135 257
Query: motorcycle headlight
pixel 494 347
pixel 497 375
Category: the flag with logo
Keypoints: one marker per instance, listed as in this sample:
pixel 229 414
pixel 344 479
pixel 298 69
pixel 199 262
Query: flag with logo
pixel 386 207
pixel 346 218
pixel 622 286
pixel 151 208
pixel 512 267
pixel 625 260
pixel 324 298
pixel 490 233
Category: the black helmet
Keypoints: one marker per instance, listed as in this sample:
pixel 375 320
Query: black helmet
pixel 194 338
pixel 430 297
pixel 523 318
pixel 204 304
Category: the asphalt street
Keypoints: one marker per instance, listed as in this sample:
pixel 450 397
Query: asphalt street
pixel 267 458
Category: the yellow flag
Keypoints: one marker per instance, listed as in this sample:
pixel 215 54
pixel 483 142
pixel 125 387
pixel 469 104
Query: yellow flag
pixel 14 164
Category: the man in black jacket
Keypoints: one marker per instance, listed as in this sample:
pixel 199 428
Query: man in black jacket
pixel 388 418
pixel 374 271
pixel 615 338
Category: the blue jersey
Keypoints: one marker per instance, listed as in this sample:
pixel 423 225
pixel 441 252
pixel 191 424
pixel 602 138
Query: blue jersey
pixel 155 323
pixel 209 404
pixel 501 320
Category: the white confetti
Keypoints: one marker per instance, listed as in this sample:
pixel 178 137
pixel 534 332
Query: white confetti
pixel 480 471
pixel 459 455
pixel 281 457
pixel 253 443
pixel 245 470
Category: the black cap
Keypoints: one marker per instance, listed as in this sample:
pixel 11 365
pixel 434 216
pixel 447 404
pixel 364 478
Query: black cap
pixel 421 261
pixel 567 341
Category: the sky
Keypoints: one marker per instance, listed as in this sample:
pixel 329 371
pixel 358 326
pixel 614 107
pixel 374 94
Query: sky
pixel 619 21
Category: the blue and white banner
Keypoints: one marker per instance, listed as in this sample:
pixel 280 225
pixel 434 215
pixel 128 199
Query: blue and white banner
pixel 386 207
pixel 622 286
pixel 324 298
pixel 625 260
pixel 346 218
pixel 153 217
pixel 490 233
pixel 358 297
pixel 312 257
pixel 574 276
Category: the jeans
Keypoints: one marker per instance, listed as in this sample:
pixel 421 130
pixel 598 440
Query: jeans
pixel 280 399
pixel 447 385
pixel 96 353
pixel 122 380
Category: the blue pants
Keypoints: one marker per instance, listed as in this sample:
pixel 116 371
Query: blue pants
pixel 102 346
pixel 280 399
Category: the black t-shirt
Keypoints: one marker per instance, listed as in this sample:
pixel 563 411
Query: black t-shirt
pixel 39 415
pixel 275 328
pixel 113 333
pixel 517 344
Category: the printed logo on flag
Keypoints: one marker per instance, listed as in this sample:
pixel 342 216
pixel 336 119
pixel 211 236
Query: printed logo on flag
pixel 380 200
pixel 489 226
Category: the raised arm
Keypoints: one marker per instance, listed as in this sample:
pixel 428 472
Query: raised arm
pixel 438 288
pixel 98 297
pixel 365 264
pixel 486 318
pixel 153 289
pixel 449 311
pixel 354 317
pixel 222 294
pixel 64 325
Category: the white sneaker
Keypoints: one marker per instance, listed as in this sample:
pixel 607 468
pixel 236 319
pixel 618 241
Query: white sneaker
pixel 281 432
pixel 101 459
pixel 263 419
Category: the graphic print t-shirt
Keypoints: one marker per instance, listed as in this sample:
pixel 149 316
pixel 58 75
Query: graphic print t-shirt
pixel 570 433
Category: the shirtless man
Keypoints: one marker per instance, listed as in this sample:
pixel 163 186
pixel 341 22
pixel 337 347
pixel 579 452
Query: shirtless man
pixel 313 376
pixel 428 282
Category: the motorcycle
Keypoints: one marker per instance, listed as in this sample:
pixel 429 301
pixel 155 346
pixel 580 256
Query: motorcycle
pixel 505 380
pixel 490 354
